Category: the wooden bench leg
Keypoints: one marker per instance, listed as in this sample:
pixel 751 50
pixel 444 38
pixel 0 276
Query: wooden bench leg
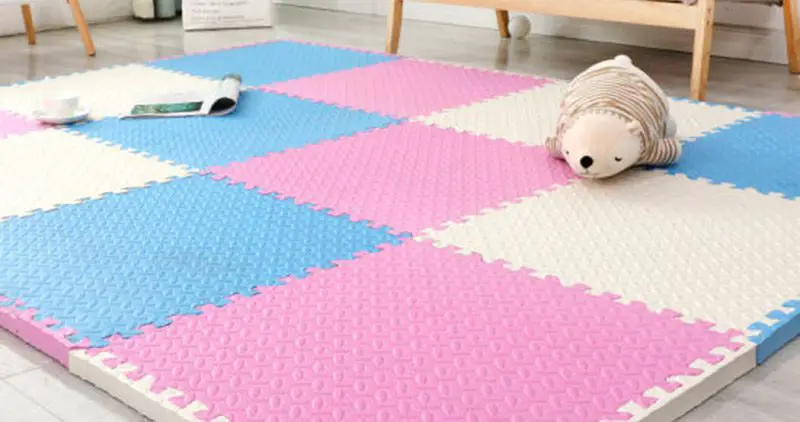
pixel 83 27
pixel 502 23
pixel 701 53
pixel 791 26
pixel 30 29
pixel 394 22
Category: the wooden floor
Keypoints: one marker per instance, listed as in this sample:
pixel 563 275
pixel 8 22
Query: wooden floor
pixel 770 393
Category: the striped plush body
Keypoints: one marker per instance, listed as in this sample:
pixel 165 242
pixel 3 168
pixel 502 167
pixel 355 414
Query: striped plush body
pixel 613 117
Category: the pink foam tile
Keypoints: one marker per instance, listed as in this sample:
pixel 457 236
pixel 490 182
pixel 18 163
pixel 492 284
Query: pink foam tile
pixel 38 332
pixel 408 177
pixel 406 88
pixel 12 124
pixel 418 333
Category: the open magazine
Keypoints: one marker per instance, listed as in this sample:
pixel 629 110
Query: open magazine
pixel 219 101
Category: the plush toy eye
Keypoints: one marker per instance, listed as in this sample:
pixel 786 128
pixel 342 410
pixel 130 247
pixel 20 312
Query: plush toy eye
pixel 617 158
pixel 566 152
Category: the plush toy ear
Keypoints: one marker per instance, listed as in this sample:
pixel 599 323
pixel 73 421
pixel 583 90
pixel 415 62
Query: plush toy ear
pixel 634 128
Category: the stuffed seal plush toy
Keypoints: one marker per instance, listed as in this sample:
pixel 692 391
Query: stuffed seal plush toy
pixel 613 117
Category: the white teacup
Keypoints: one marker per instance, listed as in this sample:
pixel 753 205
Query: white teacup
pixel 62 105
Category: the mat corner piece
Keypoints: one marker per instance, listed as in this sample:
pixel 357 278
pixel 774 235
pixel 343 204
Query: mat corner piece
pixel 95 368
pixel 694 389
pixel 778 328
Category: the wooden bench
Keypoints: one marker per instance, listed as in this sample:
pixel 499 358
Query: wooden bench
pixel 698 17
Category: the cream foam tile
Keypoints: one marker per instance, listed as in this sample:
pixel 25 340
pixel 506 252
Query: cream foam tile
pixel 526 117
pixel 45 169
pixel 108 92
pixel 707 251
pixel 697 119
pixel 530 116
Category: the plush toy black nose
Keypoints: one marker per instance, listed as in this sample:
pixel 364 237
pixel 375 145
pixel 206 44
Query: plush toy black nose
pixel 586 161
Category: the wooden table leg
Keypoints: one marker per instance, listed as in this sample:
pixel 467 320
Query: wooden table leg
pixel 502 23
pixel 83 27
pixel 701 53
pixel 394 22
pixel 791 26
pixel 30 29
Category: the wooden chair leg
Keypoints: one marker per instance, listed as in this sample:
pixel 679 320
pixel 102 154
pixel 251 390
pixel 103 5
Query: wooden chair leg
pixel 502 23
pixel 701 52
pixel 791 26
pixel 30 29
pixel 394 22
pixel 83 27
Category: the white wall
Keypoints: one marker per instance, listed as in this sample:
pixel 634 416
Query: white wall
pixel 48 14
pixel 744 31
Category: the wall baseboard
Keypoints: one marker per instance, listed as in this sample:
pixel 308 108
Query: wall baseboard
pixel 743 31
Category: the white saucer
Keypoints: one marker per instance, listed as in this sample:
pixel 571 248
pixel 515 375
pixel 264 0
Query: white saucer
pixel 81 114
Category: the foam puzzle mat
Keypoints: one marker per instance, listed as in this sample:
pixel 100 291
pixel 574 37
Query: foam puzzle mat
pixel 375 237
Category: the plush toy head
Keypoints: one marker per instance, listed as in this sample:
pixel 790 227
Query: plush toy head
pixel 601 145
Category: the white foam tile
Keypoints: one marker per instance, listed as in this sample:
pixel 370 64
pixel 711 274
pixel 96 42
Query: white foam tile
pixel 710 252
pixel 48 168
pixel 696 119
pixel 107 92
pixel 526 117
pixel 15 407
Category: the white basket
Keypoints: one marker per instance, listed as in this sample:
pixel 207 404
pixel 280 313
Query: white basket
pixel 226 14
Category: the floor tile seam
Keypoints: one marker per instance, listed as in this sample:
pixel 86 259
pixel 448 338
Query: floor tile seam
pixel 24 371
pixel 31 399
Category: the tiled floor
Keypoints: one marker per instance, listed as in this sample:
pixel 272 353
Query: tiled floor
pixel 33 388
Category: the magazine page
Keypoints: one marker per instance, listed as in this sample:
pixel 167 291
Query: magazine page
pixel 225 97
pixel 219 101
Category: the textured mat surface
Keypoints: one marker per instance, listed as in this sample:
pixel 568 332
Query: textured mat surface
pixel 371 237
pixel 271 62
pixel 110 266
pixel 418 333
pixel 263 123
pixel 408 176
pixel 385 89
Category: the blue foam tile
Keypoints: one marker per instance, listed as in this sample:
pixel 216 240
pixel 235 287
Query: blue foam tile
pixel 113 265
pixel 272 62
pixel 762 153
pixel 263 123
pixel 785 326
